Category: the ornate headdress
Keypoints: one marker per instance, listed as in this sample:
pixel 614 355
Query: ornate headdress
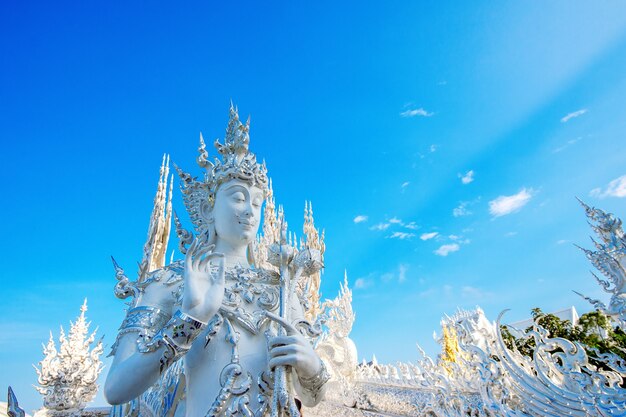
pixel 237 163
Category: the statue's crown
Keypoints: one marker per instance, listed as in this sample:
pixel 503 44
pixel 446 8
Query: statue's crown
pixel 237 163
pixel 237 160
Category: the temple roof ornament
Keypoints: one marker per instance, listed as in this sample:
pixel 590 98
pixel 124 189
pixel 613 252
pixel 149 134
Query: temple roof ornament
pixel 155 248
pixel 67 378
pixel 608 258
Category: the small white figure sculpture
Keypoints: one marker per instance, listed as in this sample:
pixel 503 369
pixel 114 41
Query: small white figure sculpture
pixel 237 326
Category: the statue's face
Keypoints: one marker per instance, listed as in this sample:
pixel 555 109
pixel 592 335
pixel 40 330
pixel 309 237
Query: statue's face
pixel 237 212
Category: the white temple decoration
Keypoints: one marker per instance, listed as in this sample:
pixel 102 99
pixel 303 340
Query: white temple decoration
pixel 67 378
pixel 610 259
pixel 335 346
pixel 154 250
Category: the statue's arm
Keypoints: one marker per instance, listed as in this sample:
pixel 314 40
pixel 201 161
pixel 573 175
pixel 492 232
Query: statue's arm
pixel 135 368
pixel 152 336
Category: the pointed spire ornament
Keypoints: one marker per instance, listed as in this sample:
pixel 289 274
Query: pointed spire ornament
pixel 155 247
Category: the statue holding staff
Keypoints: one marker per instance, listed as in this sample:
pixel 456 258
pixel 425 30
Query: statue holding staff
pixel 239 329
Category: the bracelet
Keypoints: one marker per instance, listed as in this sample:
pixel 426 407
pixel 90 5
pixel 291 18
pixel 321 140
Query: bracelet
pixel 177 336
pixel 314 383
pixel 145 320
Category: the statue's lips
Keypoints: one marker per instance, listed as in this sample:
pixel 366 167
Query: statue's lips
pixel 246 225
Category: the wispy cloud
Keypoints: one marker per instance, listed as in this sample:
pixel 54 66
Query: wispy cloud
pixel 444 250
pixel 510 234
pixel 474 293
pixel 507 204
pixel 566 145
pixel 401 235
pixel 561 241
pixel 360 218
pixel 402 268
pixel 428 236
pixel 448 293
pixel 361 283
pixel 573 115
pixel 467 177
pixel 411 226
pixel 380 226
pixel 405 184
pixel 416 112
pixel 398 274
pixel 461 209
pixel 395 220
pixel 615 188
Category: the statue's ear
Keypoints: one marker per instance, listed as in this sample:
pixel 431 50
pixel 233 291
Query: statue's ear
pixel 206 211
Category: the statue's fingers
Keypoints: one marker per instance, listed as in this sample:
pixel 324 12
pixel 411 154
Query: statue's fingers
pixel 282 341
pixel 219 278
pixel 287 360
pixel 206 250
pixel 284 350
pixel 286 325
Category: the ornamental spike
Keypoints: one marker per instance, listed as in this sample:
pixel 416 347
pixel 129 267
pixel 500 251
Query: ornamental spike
pixel 203 162
pixel 13 408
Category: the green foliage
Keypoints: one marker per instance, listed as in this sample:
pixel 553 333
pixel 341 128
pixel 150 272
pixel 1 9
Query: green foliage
pixel 593 331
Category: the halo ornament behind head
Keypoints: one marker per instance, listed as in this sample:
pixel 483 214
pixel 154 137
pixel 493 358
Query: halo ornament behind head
pixel 237 163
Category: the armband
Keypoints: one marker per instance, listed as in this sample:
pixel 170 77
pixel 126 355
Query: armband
pixel 177 336
pixel 145 320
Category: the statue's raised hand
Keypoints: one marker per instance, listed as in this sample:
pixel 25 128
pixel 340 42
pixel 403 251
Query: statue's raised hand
pixel 204 290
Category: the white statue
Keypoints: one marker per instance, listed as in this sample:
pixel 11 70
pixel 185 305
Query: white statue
pixel 335 346
pixel 236 326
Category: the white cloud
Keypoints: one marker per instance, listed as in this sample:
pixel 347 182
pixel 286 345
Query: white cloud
pixel 360 218
pixel 468 177
pixel 432 148
pixel 411 225
pixel 507 204
pixel 395 220
pixel 402 273
pixel 573 115
pixel 444 250
pixel 461 210
pixel 510 234
pixel 401 235
pixel 561 241
pixel 454 237
pixel 416 112
pixel 405 184
pixel 380 226
pixel 615 188
pixel 428 236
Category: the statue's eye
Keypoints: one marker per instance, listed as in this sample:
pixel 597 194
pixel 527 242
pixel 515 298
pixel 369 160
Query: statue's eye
pixel 239 197
pixel 257 203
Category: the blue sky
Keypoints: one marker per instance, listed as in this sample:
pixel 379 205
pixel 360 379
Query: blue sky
pixel 441 144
